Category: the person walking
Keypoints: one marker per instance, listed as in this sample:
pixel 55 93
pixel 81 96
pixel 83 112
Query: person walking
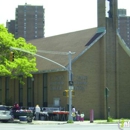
pixel 37 112
pixel 78 115
pixel 82 116
pixel 74 113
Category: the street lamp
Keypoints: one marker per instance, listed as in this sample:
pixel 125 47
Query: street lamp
pixel 70 82
pixel 69 69
pixel 70 85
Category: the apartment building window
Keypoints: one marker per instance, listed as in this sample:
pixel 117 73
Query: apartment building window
pixel 29 92
pixel 7 90
pixel 20 94
pixel 16 11
pixel 24 27
pixel 16 34
pixel 0 90
pixel 35 36
pixel 24 14
pixel 24 32
pixel 45 103
pixel 24 19
pixel 16 25
pixel 118 29
pixel 35 15
pixel 35 32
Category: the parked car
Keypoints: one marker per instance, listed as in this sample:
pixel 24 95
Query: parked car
pixel 5 113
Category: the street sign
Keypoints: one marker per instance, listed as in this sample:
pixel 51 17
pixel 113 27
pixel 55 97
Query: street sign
pixel 70 83
pixel 71 87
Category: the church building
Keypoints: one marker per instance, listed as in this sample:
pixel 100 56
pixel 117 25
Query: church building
pixel 100 70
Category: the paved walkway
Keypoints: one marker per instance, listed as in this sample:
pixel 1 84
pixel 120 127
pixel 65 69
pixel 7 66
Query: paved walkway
pixel 59 122
pixel 52 122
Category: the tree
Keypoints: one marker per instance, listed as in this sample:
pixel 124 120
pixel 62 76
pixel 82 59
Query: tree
pixel 15 63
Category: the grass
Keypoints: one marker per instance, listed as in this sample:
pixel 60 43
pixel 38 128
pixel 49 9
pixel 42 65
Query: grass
pixel 108 121
pixel 70 121
pixel 101 121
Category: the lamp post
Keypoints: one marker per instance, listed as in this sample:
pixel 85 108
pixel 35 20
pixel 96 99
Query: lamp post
pixel 70 86
pixel 69 69
pixel 70 82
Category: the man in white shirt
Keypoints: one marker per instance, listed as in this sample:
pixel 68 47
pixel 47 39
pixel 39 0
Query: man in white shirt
pixel 37 111
pixel 73 113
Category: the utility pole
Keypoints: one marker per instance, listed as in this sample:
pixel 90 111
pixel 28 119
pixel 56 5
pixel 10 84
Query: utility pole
pixel 70 86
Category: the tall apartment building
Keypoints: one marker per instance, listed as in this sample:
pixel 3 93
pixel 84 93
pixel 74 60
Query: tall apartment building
pixel 29 22
pixel 11 26
pixel 124 26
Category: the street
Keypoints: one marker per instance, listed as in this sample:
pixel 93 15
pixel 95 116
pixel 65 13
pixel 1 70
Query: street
pixel 11 126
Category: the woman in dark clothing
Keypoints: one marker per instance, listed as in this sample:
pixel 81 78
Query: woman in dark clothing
pixel 16 107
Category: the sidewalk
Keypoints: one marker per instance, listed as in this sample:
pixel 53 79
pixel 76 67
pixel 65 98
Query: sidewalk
pixel 60 122
pixel 46 122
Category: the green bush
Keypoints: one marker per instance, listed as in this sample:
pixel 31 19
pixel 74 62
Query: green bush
pixel 110 119
pixel 70 121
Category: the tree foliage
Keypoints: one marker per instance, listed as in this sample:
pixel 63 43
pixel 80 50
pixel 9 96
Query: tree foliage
pixel 24 63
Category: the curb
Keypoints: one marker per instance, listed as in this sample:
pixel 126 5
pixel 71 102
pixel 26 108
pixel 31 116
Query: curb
pixel 58 122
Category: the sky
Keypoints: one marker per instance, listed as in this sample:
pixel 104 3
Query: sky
pixel 61 16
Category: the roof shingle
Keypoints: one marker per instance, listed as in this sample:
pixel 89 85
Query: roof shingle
pixel 74 42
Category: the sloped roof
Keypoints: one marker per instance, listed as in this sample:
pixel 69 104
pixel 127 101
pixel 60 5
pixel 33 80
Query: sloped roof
pixel 73 41
pixel 94 37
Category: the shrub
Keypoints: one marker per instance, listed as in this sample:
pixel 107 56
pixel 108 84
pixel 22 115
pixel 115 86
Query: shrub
pixel 70 121
pixel 110 119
